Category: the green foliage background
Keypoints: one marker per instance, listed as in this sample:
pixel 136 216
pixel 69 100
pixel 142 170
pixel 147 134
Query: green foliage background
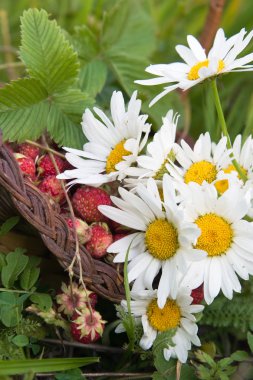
pixel 106 45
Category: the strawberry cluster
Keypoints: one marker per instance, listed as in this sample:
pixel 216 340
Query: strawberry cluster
pixel 75 307
pixel 74 312
pixel 94 230
pixel 78 305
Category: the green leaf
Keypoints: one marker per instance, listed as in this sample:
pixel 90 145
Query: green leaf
pixel 164 339
pixel 20 340
pixel 14 367
pixel 250 340
pixel 85 43
pixel 162 365
pixel 46 52
pixel 128 28
pixel 187 372
pixel 161 342
pixel 10 315
pixel 203 357
pixel 93 76
pixel 249 121
pixel 65 116
pixel 2 260
pixel 127 69
pixel 239 356
pixel 7 298
pixel 127 40
pixel 16 262
pixel 73 374
pixel 23 111
pixel 42 300
pixel 158 376
pixel 9 310
pixel 30 274
pixel 8 225
pixel 225 362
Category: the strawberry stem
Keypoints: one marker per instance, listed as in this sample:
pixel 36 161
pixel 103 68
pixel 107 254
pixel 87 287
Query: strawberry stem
pixel 77 256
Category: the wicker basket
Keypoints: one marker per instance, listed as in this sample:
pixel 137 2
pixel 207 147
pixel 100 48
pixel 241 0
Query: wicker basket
pixel 19 195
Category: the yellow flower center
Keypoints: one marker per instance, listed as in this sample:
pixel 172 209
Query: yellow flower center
pixel 216 234
pixel 166 318
pixel 161 239
pixel 201 171
pixel 221 186
pixel 231 168
pixel 194 72
pixel 116 156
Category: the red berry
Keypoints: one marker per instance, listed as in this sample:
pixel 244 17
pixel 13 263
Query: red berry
pixel 87 326
pixel 83 230
pixel 26 165
pixel 46 165
pixel 29 150
pixel 52 187
pixel 197 295
pixel 86 201
pixel 101 238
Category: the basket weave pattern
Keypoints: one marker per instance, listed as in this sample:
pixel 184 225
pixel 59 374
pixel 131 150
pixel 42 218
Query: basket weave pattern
pixel 19 194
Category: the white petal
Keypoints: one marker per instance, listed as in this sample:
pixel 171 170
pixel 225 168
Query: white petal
pixel 127 219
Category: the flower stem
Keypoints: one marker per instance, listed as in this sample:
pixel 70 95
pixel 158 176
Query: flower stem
pixel 224 129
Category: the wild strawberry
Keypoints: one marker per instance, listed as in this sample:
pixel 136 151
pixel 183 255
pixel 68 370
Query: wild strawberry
pixel 101 238
pixel 52 187
pixel 82 229
pixel 87 326
pixel 86 200
pixel 26 165
pixel 75 298
pixel 46 165
pixel 197 295
pixel 29 150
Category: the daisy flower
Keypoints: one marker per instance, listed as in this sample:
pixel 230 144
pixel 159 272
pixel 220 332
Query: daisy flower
pixel 244 156
pixel 159 151
pixel 176 314
pixel 113 146
pixel 225 237
pixel 202 163
pixel 162 240
pixel 198 66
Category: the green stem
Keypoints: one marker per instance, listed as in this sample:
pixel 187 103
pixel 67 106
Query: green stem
pixel 15 291
pixel 128 299
pixel 224 128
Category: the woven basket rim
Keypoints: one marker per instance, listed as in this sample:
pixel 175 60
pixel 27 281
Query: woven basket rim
pixel 105 278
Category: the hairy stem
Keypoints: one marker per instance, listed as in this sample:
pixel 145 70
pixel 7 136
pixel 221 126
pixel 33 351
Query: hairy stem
pixel 46 148
pixel 77 256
